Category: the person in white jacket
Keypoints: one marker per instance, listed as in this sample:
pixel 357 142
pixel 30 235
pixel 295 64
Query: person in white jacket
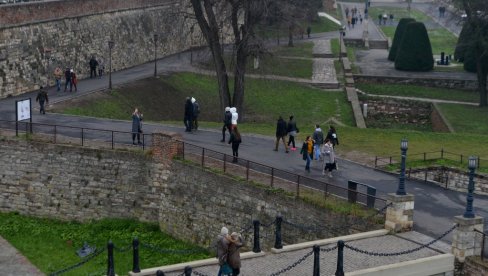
pixel 235 116
pixel 329 157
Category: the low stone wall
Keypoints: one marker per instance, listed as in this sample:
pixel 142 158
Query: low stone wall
pixel 74 183
pixel 450 178
pixel 467 84
pixel 437 121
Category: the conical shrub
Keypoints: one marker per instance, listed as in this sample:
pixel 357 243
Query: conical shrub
pixel 464 40
pixel 415 52
pixel 397 39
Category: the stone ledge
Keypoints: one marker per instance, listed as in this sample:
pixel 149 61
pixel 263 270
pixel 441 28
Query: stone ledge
pixel 462 221
pixel 359 236
pixel 400 198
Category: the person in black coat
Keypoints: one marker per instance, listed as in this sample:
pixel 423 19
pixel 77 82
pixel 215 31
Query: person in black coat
pixel 227 123
pixel 235 140
pixel 93 67
pixel 188 119
pixel 332 136
pixel 281 131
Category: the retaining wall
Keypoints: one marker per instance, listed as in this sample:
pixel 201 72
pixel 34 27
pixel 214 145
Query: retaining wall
pixel 467 84
pixel 37 37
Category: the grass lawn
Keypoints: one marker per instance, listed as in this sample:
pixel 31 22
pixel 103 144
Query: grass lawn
pixel 405 90
pixel 299 50
pixel 51 245
pixel 466 119
pixel 441 39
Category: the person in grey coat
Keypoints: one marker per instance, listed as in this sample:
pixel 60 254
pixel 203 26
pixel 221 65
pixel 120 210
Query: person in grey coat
pixel 329 157
pixel 136 126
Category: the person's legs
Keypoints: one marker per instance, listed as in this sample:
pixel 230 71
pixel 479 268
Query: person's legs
pixel 276 143
pixel 138 137
pixel 133 138
pixel 307 166
pixel 284 143
pixel 41 103
pixel 58 84
pixel 224 129
pixel 195 123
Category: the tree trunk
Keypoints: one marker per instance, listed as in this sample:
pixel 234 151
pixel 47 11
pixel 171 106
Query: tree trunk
pixel 210 29
pixel 240 71
pixel 482 74
pixel 290 36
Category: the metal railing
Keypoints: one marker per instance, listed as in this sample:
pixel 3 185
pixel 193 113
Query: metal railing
pixel 82 136
pixel 484 251
pixel 428 156
pixel 275 178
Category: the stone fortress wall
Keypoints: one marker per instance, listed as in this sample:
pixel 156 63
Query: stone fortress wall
pixel 72 31
pixel 74 183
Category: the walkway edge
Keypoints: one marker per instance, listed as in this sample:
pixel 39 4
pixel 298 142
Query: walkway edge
pixel 304 245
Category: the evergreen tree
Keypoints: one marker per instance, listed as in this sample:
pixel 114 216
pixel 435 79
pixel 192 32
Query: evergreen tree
pixel 397 39
pixel 415 51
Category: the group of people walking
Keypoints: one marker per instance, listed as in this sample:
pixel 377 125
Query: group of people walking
pixel 228 252
pixel 230 124
pixel 353 17
pixel 70 77
pixel 192 110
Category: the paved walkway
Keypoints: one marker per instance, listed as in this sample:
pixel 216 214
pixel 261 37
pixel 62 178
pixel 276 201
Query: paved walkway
pixel 353 261
pixel 12 263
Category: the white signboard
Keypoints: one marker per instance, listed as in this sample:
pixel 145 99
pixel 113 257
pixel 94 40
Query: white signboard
pixel 23 109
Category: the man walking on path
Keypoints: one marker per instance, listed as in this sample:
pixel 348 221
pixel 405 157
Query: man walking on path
pixel 196 112
pixel 58 74
pixel 41 98
pixel 67 76
pixel 281 133
pixel 93 67
pixel 188 119
pixel 227 123
pixel 318 137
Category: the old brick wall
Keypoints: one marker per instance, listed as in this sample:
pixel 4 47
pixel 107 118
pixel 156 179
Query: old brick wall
pixel 72 183
pixel 82 29
pixel 474 266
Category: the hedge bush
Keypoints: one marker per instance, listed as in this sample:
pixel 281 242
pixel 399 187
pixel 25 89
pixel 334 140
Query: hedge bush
pixel 415 51
pixel 397 39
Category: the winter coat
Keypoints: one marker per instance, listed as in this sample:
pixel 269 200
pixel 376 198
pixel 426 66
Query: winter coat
pixel 222 249
pixel 196 108
pixel 234 258
pixel 235 115
pixel 328 153
pixel 227 118
pixel 332 136
pixel 234 140
pixel 42 96
pixel 136 123
pixel 93 63
pixel 188 109
pixel 281 129
pixel 318 136
pixel 307 148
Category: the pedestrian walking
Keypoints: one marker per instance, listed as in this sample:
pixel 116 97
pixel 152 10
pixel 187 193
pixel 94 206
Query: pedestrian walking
pixel 58 75
pixel 360 19
pixel 309 30
pixel 235 140
pixel 74 80
pixel 93 67
pixel 329 158
pixel 67 76
pixel 391 18
pixel 101 67
pixel 281 131
pixel 380 18
pixel 347 11
pixel 332 136
pixel 227 123
pixel 136 126
pixel 42 98
pixel 318 138
pixel 235 117
pixel 196 112
pixel 292 130
pixel 223 241
pixel 234 258
pixel 306 152
pixel 188 114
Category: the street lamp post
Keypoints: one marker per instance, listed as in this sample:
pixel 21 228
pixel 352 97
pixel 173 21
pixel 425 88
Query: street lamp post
pixel 110 46
pixel 401 183
pixel 155 55
pixel 341 33
pixel 469 198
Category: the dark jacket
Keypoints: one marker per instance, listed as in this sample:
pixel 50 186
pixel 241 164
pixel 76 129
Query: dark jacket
pixel 222 249
pixel 136 123
pixel 318 136
pixel 93 63
pixel 227 118
pixel 67 74
pixel 188 109
pixel 234 140
pixel 292 126
pixel 234 258
pixel 281 128
pixel 332 136
pixel 42 96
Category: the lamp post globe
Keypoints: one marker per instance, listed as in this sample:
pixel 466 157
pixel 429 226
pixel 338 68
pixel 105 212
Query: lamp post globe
pixel 401 182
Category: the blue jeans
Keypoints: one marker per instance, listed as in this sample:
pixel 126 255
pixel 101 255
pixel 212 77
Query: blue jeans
pixel 316 149
pixel 58 84
pixel 307 166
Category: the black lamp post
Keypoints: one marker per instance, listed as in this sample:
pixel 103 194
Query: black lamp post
pixel 155 55
pixel 469 198
pixel 401 183
pixel 341 34
pixel 110 46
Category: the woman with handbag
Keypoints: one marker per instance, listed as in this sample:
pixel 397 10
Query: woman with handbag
pixel 307 149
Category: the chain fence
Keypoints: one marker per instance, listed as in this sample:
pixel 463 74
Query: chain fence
pixel 84 261
pixel 293 265
pixel 408 251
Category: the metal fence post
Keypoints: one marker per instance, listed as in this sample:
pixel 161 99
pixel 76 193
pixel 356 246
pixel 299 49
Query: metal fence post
pixel 247 170
pixel 82 132
pixel 143 141
pixel 298 186
pixel 203 156
pixel 316 260
pixel 112 140
pixel 278 241
pixel 257 247
pixel 183 153
pixel 376 161
pixel 110 261
pixel 352 191
pixel 188 271
pixel 135 255
pixel 425 156
pixel 225 157
pixel 442 153
pixel 55 131
pixel 272 177
pixel 370 199
pixel 340 258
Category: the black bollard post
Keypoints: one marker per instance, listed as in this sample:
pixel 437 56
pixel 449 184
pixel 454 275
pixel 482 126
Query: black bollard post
pixel 110 262
pixel 257 247
pixel 188 271
pixel 340 258
pixel 316 260
pixel 135 255
pixel 278 241
pixel 159 273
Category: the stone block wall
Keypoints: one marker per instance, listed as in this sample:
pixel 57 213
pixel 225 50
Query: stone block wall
pixel 451 178
pixel 466 84
pixel 71 39
pixel 72 183
pixel 474 266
